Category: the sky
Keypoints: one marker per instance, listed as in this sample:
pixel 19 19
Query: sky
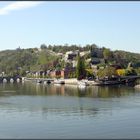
pixel 28 24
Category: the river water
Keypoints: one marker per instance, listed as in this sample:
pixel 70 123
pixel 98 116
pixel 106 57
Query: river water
pixel 28 110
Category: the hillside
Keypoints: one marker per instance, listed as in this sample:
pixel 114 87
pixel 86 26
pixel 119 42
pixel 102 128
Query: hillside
pixel 20 61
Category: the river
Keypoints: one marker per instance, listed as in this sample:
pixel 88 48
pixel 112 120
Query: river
pixel 28 110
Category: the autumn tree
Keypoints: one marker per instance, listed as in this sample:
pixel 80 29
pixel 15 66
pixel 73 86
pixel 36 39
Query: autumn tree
pixel 108 71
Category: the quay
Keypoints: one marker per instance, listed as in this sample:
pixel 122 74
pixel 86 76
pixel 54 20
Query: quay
pixel 74 81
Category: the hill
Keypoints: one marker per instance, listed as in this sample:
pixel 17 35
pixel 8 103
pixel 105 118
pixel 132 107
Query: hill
pixel 20 61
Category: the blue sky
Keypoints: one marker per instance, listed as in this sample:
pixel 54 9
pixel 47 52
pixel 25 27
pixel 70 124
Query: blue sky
pixel 115 25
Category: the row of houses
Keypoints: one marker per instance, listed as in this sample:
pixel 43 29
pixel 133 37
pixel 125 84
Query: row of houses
pixel 69 72
pixel 69 57
pixel 65 73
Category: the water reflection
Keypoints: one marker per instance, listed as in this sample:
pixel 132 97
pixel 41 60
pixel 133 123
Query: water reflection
pixel 62 99
pixel 94 91
pixel 31 110
pixel 28 88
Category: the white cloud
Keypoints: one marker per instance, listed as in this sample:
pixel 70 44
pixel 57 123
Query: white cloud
pixel 19 5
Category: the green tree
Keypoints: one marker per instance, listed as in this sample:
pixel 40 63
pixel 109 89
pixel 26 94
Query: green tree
pixel 107 54
pixel 80 69
pixel 43 46
pixel 89 73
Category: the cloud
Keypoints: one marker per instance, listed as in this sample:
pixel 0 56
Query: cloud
pixel 19 5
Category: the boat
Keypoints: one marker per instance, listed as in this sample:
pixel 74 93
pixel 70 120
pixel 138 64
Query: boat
pixel 49 82
pixel 59 81
pixel 46 82
pixel 39 81
pixel 83 83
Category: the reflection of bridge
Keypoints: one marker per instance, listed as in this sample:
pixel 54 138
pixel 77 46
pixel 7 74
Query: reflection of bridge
pixel 8 79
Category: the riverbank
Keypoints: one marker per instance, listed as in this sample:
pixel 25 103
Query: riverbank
pixel 71 81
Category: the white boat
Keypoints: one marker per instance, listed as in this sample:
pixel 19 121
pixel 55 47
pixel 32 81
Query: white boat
pixel 59 81
pixel 82 83
pixel 45 82
pixel 39 81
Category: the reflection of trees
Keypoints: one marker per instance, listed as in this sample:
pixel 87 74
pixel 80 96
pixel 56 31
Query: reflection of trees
pixel 81 92
pixel 74 109
pixel 114 91
pixel 65 100
pixel 87 110
pixel 67 90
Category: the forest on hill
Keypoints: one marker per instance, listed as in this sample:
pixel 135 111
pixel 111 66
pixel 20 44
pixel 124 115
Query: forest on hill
pixel 20 61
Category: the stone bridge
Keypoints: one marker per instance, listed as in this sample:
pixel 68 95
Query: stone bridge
pixel 9 79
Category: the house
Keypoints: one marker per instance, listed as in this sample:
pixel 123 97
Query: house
pixel 60 54
pixel 68 73
pixel 65 73
pixel 55 74
pixel 95 61
pixel 84 53
pixel 97 53
pixel 116 66
pixel 71 55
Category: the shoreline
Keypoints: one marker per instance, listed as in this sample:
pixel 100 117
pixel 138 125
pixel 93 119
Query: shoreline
pixel 70 81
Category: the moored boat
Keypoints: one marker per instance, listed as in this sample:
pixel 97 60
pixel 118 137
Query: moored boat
pixel 83 83
pixel 59 81
pixel 39 81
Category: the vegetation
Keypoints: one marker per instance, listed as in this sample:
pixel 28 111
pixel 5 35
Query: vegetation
pixel 107 55
pixel 90 73
pixel 80 69
pixel 108 71
pixel 121 72
pixel 22 61
pixel 46 60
